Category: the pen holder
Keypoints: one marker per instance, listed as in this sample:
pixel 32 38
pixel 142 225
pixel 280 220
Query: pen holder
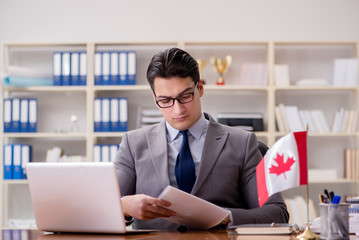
pixel 334 221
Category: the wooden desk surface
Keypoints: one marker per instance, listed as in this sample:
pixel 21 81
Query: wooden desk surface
pixel 162 235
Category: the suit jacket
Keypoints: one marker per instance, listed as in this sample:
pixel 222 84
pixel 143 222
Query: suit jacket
pixel 226 174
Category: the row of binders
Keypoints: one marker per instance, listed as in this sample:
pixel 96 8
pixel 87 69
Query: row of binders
pixel 20 115
pixel 105 152
pixel 115 68
pixel 16 156
pixel 110 114
pixel 69 68
pixel 16 234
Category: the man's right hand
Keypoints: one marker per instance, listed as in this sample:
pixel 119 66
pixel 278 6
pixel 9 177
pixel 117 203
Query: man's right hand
pixel 144 207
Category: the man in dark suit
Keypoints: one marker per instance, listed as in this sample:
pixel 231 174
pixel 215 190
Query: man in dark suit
pixel 221 165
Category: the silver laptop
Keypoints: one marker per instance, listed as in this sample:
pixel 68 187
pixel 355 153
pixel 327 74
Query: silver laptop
pixel 76 197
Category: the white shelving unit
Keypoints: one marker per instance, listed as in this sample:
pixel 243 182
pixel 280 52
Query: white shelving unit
pixel 57 103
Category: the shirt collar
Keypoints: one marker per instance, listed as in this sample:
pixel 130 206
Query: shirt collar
pixel 196 130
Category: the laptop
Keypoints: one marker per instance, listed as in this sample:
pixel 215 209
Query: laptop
pixel 77 197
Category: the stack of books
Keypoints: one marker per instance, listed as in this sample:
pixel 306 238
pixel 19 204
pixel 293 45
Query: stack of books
pixel 351 164
pixel 290 118
pixel 149 117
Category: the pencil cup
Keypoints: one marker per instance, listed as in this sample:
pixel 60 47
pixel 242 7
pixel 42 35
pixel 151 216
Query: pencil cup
pixel 334 221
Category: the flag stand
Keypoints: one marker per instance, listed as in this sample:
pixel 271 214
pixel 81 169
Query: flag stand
pixel 307 234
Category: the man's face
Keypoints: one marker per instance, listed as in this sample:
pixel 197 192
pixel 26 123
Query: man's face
pixel 179 116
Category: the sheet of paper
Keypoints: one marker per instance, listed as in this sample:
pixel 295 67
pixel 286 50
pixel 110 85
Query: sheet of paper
pixel 192 211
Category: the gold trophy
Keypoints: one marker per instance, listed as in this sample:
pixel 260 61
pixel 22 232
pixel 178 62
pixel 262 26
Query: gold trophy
pixel 201 65
pixel 221 66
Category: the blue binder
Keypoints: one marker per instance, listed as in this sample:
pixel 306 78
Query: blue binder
pixel 24 115
pixel 7 114
pixel 75 69
pixel 123 110
pixel 105 77
pixel 32 115
pixel 131 74
pixel 15 118
pixel 66 68
pixel 7 155
pixel 97 115
pixel 56 68
pixel 122 68
pixel 83 68
pixel 114 118
pixel 114 68
pixel 98 68
pixel 25 158
pixel 16 160
pixel 105 116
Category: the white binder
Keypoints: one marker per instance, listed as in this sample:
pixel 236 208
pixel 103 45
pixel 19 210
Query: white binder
pixel 24 115
pixel 66 68
pixel 7 114
pixel 105 68
pixel 15 118
pixel 123 68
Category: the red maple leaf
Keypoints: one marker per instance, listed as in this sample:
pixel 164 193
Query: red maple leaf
pixel 282 166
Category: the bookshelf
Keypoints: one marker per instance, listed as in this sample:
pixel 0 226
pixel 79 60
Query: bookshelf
pixel 56 103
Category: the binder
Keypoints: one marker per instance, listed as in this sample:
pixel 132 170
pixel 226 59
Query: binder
pixel 97 115
pixel 75 69
pixel 131 68
pixel 32 115
pixel 66 70
pixel 122 68
pixel 105 116
pixel 123 105
pixel 17 171
pixel 114 68
pixel 7 234
pixel 105 153
pixel 114 120
pixel 97 153
pixel 16 234
pixel 15 127
pixel 7 114
pixel 25 158
pixel 113 151
pixel 105 68
pixel 24 115
pixel 98 67
pixel 8 161
pixel 56 68
pixel 83 68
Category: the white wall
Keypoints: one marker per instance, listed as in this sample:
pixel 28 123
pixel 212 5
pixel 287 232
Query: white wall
pixel 163 20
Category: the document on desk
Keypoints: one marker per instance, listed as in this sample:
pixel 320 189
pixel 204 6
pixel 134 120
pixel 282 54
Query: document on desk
pixel 192 211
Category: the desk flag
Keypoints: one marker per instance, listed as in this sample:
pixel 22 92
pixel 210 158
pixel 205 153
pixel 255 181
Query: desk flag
pixel 284 166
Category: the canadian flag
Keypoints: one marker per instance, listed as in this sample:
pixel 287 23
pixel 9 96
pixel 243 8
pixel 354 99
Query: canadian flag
pixel 283 166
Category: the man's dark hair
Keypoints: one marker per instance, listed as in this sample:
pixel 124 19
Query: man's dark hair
pixel 172 62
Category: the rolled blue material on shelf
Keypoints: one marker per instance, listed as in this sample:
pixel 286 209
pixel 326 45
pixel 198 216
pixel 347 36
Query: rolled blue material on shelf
pixel 19 81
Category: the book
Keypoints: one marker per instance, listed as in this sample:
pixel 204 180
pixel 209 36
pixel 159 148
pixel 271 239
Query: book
pixel 191 211
pixel 273 228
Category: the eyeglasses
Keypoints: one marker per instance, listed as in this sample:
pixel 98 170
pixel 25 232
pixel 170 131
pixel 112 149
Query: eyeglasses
pixel 166 102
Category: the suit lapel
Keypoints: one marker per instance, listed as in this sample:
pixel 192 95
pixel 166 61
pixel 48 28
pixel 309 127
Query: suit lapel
pixel 157 144
pixel 213 145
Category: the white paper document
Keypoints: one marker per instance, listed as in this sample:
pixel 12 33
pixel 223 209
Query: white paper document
pixel 192 211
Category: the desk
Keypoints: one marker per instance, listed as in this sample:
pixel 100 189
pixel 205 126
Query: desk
pixel 163 235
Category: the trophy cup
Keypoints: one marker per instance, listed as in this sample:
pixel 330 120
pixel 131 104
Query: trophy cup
pixel 201 65
pixel 221 66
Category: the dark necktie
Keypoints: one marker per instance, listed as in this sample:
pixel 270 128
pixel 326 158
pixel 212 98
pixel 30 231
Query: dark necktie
pixel 184 170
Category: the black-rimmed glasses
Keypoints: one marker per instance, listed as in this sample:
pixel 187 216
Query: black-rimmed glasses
pixel 166 102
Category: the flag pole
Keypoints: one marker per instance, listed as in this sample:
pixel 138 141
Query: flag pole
pixel 307 234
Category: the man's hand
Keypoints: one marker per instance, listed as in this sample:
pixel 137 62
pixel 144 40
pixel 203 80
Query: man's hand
pixel 144 207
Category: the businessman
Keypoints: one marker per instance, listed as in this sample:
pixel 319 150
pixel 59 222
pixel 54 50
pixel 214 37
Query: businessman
pixel 191 151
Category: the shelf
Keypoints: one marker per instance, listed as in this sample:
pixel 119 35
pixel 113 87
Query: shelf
pixel 108 134
pixel 312 88
pixel 122 88
pixel 330 134
pixel 45 135
pixel 235 88
pixel 47 89
pixel 14 182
